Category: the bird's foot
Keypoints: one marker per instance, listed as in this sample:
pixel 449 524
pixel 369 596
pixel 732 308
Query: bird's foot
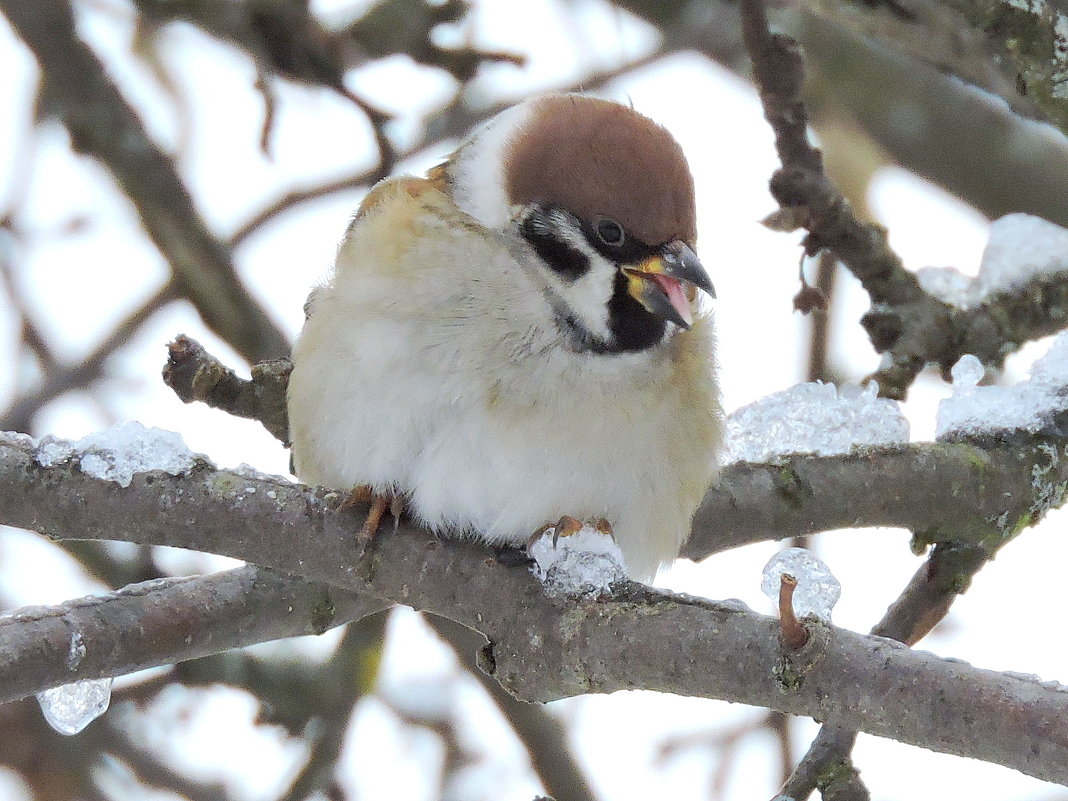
pixel 380 503
pixel 568 526
pixel 576 558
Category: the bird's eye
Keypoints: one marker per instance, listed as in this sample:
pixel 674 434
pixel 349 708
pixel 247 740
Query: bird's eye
pixel 610 232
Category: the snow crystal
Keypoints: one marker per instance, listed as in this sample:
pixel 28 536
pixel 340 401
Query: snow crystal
pixel 587 562
pixel 966 374
pixel 118 453
pixel 813 418
pixel 1027 405
pixel 948 285
pixel 72 707
pixel 1020 247
pixel 246 470
pixel 817 589
pixel 51 451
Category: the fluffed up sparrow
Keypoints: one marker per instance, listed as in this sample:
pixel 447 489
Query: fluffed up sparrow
pixel 516 337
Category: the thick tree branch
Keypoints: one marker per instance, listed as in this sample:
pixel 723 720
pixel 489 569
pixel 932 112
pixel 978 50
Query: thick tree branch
pixel 944 492
pixel 540 649
pixel 165 621
pixel 103 125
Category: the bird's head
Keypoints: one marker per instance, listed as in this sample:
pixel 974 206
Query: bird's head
pixel 598 201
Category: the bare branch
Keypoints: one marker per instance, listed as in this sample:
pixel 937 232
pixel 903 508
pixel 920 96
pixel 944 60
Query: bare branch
pixel 910 325
pixel 196 375
pixel 543 735
pixel 347 677
pixel 165 621
pixel 925 601
pixel 64 378
pixel 986 491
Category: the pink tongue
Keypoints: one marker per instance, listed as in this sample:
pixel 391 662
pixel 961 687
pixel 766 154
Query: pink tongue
pixel 673 289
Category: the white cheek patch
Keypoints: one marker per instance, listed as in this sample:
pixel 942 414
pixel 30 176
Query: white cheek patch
pixel 587 297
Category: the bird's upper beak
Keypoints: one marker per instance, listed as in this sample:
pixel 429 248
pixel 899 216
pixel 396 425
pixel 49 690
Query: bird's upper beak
pixel 665 282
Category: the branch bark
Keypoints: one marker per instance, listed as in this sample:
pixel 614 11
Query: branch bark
pixel 165 621
pixel 540 649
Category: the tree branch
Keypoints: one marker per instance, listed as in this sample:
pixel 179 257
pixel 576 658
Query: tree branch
pixel 63 378
pixel 542 733
pixel 911 326
pixel 542 650
pixel 196 375
pixel 165 621
pixel 924 602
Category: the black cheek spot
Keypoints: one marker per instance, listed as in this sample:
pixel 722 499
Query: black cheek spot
pixel 567 261
pixel 633 327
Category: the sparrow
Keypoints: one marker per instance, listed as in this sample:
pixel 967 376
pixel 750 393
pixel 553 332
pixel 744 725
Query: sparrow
pixel 516 337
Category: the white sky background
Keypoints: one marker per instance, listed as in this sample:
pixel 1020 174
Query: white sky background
pixel 81 283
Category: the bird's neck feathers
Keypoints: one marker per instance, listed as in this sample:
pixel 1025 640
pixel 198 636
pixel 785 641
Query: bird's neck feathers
pixel 475 174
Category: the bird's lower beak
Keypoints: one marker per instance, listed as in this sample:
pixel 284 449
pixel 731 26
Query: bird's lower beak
pixel 665 283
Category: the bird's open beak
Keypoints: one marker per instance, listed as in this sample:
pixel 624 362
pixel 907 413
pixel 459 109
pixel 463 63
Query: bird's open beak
pixel 666 282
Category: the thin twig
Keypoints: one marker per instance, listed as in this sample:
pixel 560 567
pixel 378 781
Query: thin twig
pixel 923 603
pixel 454 120
pixel 794 634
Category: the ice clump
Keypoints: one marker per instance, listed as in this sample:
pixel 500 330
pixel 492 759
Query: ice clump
pixel 817 589
pixel 72 707
pixel 813 418
pixel 1029 405
pixel 948 285
pixel 586 562
pixel 1020 247
pixel 118 453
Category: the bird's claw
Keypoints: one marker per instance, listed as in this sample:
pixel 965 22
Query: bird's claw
pixel 567 525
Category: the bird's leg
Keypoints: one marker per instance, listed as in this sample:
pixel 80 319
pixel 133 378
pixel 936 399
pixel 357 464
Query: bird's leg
pixel 380 502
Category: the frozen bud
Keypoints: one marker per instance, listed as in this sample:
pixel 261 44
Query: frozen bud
pixel 817 589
